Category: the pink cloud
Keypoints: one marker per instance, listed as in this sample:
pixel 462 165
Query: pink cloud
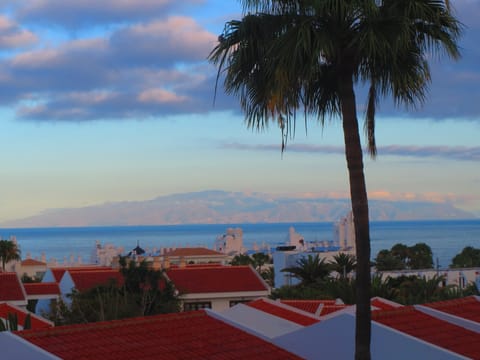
pixel 12 36
pixel 159 96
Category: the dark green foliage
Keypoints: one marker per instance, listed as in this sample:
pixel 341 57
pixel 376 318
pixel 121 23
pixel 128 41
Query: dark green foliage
pixel 31 305
pixel 145 292
pixel 298 293
pixel 241 259
pixel 343 264
pixel 405 290
pixel 385 260
pixel 309 270
pixel 8 252
pixel 11 323
pixel 402 257
pixel 269 276
pixel 468 257
pixel 260 259
pixel 28 322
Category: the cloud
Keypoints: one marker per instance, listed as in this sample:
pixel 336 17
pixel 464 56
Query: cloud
pixel 84 13
pixel 445 152
pixel 385 195
pixel 147 70
pixel 435 197
pixel 13 36
pixel 154 64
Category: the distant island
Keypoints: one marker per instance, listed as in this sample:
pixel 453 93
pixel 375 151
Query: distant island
pixel 222 207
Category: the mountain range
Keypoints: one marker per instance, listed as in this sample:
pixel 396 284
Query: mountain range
pixel 221 207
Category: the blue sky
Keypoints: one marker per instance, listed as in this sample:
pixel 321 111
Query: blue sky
pixel 104 101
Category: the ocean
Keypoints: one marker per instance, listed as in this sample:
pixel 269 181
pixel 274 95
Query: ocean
pixel 446 238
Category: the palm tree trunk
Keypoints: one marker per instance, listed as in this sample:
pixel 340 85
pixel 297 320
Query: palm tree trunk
pixel 358 194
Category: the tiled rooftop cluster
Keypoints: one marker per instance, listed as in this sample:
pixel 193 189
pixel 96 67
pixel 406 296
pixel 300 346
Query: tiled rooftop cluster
pixel 433 330
pixel 191 335
pixel 216 279
pixel 11 288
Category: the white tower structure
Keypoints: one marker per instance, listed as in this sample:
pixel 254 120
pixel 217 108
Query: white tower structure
pixel 344 232
pixel 231 242
pixel 295 239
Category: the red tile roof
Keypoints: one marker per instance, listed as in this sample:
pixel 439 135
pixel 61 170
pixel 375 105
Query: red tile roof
pixel 59 271
pixel 32 262
pixel 310 306
pixel 467 308
pixel 47 288
pixel 36 322
pixel 328 309
pixel 219 279
pixel 85 280
pixel 189 335
pixel 194 251
pixel 11 288
pixel 383 304
pixel 435 331
pixel 292 314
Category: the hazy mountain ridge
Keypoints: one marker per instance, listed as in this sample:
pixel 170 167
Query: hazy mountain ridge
pixel 208 207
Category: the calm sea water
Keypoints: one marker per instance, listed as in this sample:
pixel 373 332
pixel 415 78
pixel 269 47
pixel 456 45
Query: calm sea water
pixel 446 238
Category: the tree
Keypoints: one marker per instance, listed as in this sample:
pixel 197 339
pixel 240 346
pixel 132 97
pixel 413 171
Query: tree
pixel 8 251
pixel 420 257
pixel 309 270
pixel 468 257
pixel 343 264
pixel 385 261
pixel 260 259
pixel 400 257
pixel 286 55
pixel 241 259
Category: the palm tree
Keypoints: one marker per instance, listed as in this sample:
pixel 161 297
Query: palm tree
pixel 8 252
pixel 289 55
pixel 343 264
pixel 309 270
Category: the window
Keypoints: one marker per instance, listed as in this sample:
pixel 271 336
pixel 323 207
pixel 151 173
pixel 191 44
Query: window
pixel 197 306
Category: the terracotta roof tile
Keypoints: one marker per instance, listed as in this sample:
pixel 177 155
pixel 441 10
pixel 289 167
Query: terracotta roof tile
pixel 198 251
pixel 47 288
pixel 189 335
pixel 59 271
pixel 11 288
pixel 383 304
pixel 328 309
pixel 85 280
pixel 293 314
pixel 441 333
pixel 37 322
pixel 33 262
pixel 310 306
pixel 216 279
pixel 467 308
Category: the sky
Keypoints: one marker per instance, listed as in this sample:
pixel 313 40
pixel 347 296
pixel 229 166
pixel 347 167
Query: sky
pixel 113 100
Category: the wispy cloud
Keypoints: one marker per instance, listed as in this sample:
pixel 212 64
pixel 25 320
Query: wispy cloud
pixel 445 152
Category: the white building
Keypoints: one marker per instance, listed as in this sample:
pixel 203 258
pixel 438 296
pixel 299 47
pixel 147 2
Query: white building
pixel 344 232
pixel 230 243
